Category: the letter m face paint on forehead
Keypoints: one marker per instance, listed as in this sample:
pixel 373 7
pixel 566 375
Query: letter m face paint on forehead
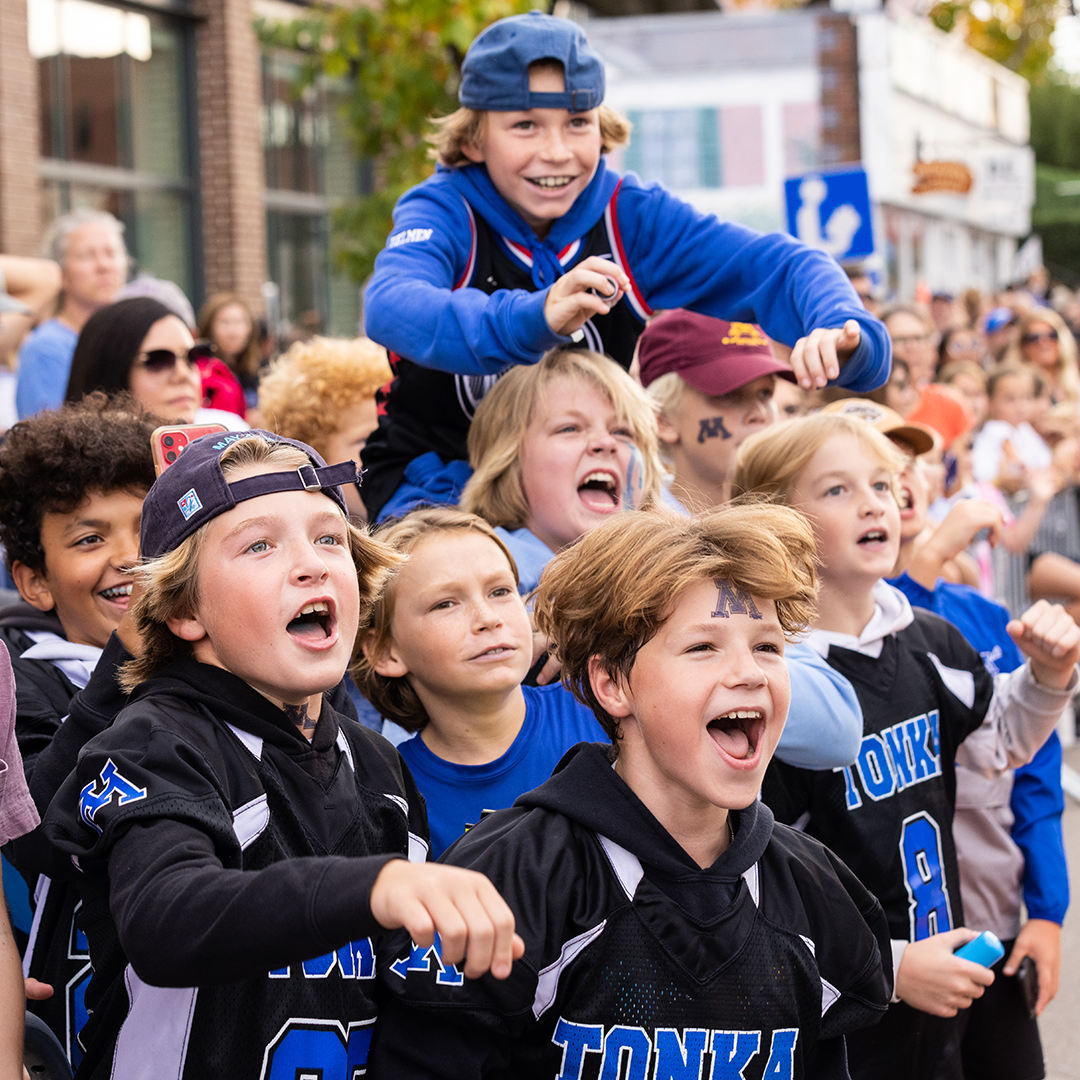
pixel 732 601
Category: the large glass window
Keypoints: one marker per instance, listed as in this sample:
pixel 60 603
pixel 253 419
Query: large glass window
pixel 697 148
pixel 311 166
pixel 114 125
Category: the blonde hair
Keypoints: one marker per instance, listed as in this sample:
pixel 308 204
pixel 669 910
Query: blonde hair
pixel 1066 368
pixel 608 595
pixel 170 584
pixel 770 462
pixel 394 696
pixel 465 126
pixel 666 393
pixel 495 490
pixel 305 391
pixel 955 368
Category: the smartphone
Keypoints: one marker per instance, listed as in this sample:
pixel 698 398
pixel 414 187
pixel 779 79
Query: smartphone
pixel 1027 975
pixel 167 443
pixel 986 949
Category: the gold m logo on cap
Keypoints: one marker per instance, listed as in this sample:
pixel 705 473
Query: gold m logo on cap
pixel 744 333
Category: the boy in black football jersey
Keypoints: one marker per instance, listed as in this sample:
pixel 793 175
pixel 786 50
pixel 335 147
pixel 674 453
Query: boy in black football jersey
pixel 670 929
pixel 927 701
pixel 242 845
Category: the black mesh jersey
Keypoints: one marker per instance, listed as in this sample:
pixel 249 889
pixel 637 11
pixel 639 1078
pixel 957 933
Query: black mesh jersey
pixel 627 972
pixel 55 952
pixel 424 409
pixel 243 820
pixel 889 815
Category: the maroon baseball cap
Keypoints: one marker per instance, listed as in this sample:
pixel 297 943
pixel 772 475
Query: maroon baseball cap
pixel 713 356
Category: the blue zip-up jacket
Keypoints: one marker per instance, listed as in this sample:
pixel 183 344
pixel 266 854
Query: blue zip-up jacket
pixel 1037 801
pixel 675 256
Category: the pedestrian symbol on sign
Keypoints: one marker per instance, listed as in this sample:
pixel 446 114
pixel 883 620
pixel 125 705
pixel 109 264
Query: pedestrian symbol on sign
pixel 831 212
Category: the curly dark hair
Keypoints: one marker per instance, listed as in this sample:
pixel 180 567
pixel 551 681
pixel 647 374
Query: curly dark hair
pixel 53 461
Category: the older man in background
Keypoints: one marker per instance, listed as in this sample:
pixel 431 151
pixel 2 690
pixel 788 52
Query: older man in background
pixel 89 247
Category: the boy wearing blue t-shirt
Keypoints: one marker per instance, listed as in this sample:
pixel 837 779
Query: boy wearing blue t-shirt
pixel 446 648
pixel 524 240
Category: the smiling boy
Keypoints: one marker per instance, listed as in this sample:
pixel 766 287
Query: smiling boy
pixel 524 240
pixel 670 928
pixel 242 845
pixel 72 484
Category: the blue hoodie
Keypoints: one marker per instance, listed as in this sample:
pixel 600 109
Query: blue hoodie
pixel 675 255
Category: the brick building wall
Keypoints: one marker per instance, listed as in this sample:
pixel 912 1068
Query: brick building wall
pixel 838 60
pixel 20 189
pixel 230 151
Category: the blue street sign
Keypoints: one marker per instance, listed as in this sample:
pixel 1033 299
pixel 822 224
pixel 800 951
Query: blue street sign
pixel 831 211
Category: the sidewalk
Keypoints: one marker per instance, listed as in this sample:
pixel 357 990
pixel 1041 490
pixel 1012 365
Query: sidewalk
pixel 1060 1024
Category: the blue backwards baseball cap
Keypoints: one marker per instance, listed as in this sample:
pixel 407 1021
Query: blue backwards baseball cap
pixel 495 72
pixel 999 318
pixel 193 489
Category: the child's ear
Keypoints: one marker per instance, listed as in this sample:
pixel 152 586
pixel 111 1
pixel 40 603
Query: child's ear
pixel 474 152
pixel 387 663
pixel 666 430
pixel 33 586
pixel 186 628
pixel 610 692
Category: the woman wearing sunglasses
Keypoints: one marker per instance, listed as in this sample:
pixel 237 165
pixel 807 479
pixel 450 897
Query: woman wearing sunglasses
pixel 140 345
pixel 1046 343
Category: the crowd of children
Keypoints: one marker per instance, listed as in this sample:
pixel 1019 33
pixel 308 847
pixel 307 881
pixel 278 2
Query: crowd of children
pixel 692 756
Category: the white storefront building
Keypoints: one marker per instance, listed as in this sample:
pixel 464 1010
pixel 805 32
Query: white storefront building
pixel 728 106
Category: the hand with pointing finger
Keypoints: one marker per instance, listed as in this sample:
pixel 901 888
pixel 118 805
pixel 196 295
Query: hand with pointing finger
pixel 817 358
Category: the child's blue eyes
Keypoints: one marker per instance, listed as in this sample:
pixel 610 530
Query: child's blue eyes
pixel 259 546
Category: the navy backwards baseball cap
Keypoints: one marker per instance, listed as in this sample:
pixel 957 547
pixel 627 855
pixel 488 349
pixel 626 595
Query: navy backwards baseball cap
pixel 193 489
pixel 495 72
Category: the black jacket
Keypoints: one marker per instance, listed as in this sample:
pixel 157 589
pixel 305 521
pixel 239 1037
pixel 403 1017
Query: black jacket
pixel 226 870
pixel 767 957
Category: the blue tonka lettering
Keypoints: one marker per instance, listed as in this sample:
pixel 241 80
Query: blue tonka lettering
pixel 669 1054
pixel 100 792
pixel 420 959
pixel 895 759
pixel 353 961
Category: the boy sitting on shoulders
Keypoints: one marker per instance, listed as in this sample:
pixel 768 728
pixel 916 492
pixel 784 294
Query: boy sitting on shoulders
pixel 670 928
pixel 241 843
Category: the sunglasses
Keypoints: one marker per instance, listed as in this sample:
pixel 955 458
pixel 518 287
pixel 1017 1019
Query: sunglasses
pixel 158 360
pixel 1034 339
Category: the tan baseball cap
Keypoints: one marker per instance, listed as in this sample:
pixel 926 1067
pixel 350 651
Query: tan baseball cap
pixel 887 421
